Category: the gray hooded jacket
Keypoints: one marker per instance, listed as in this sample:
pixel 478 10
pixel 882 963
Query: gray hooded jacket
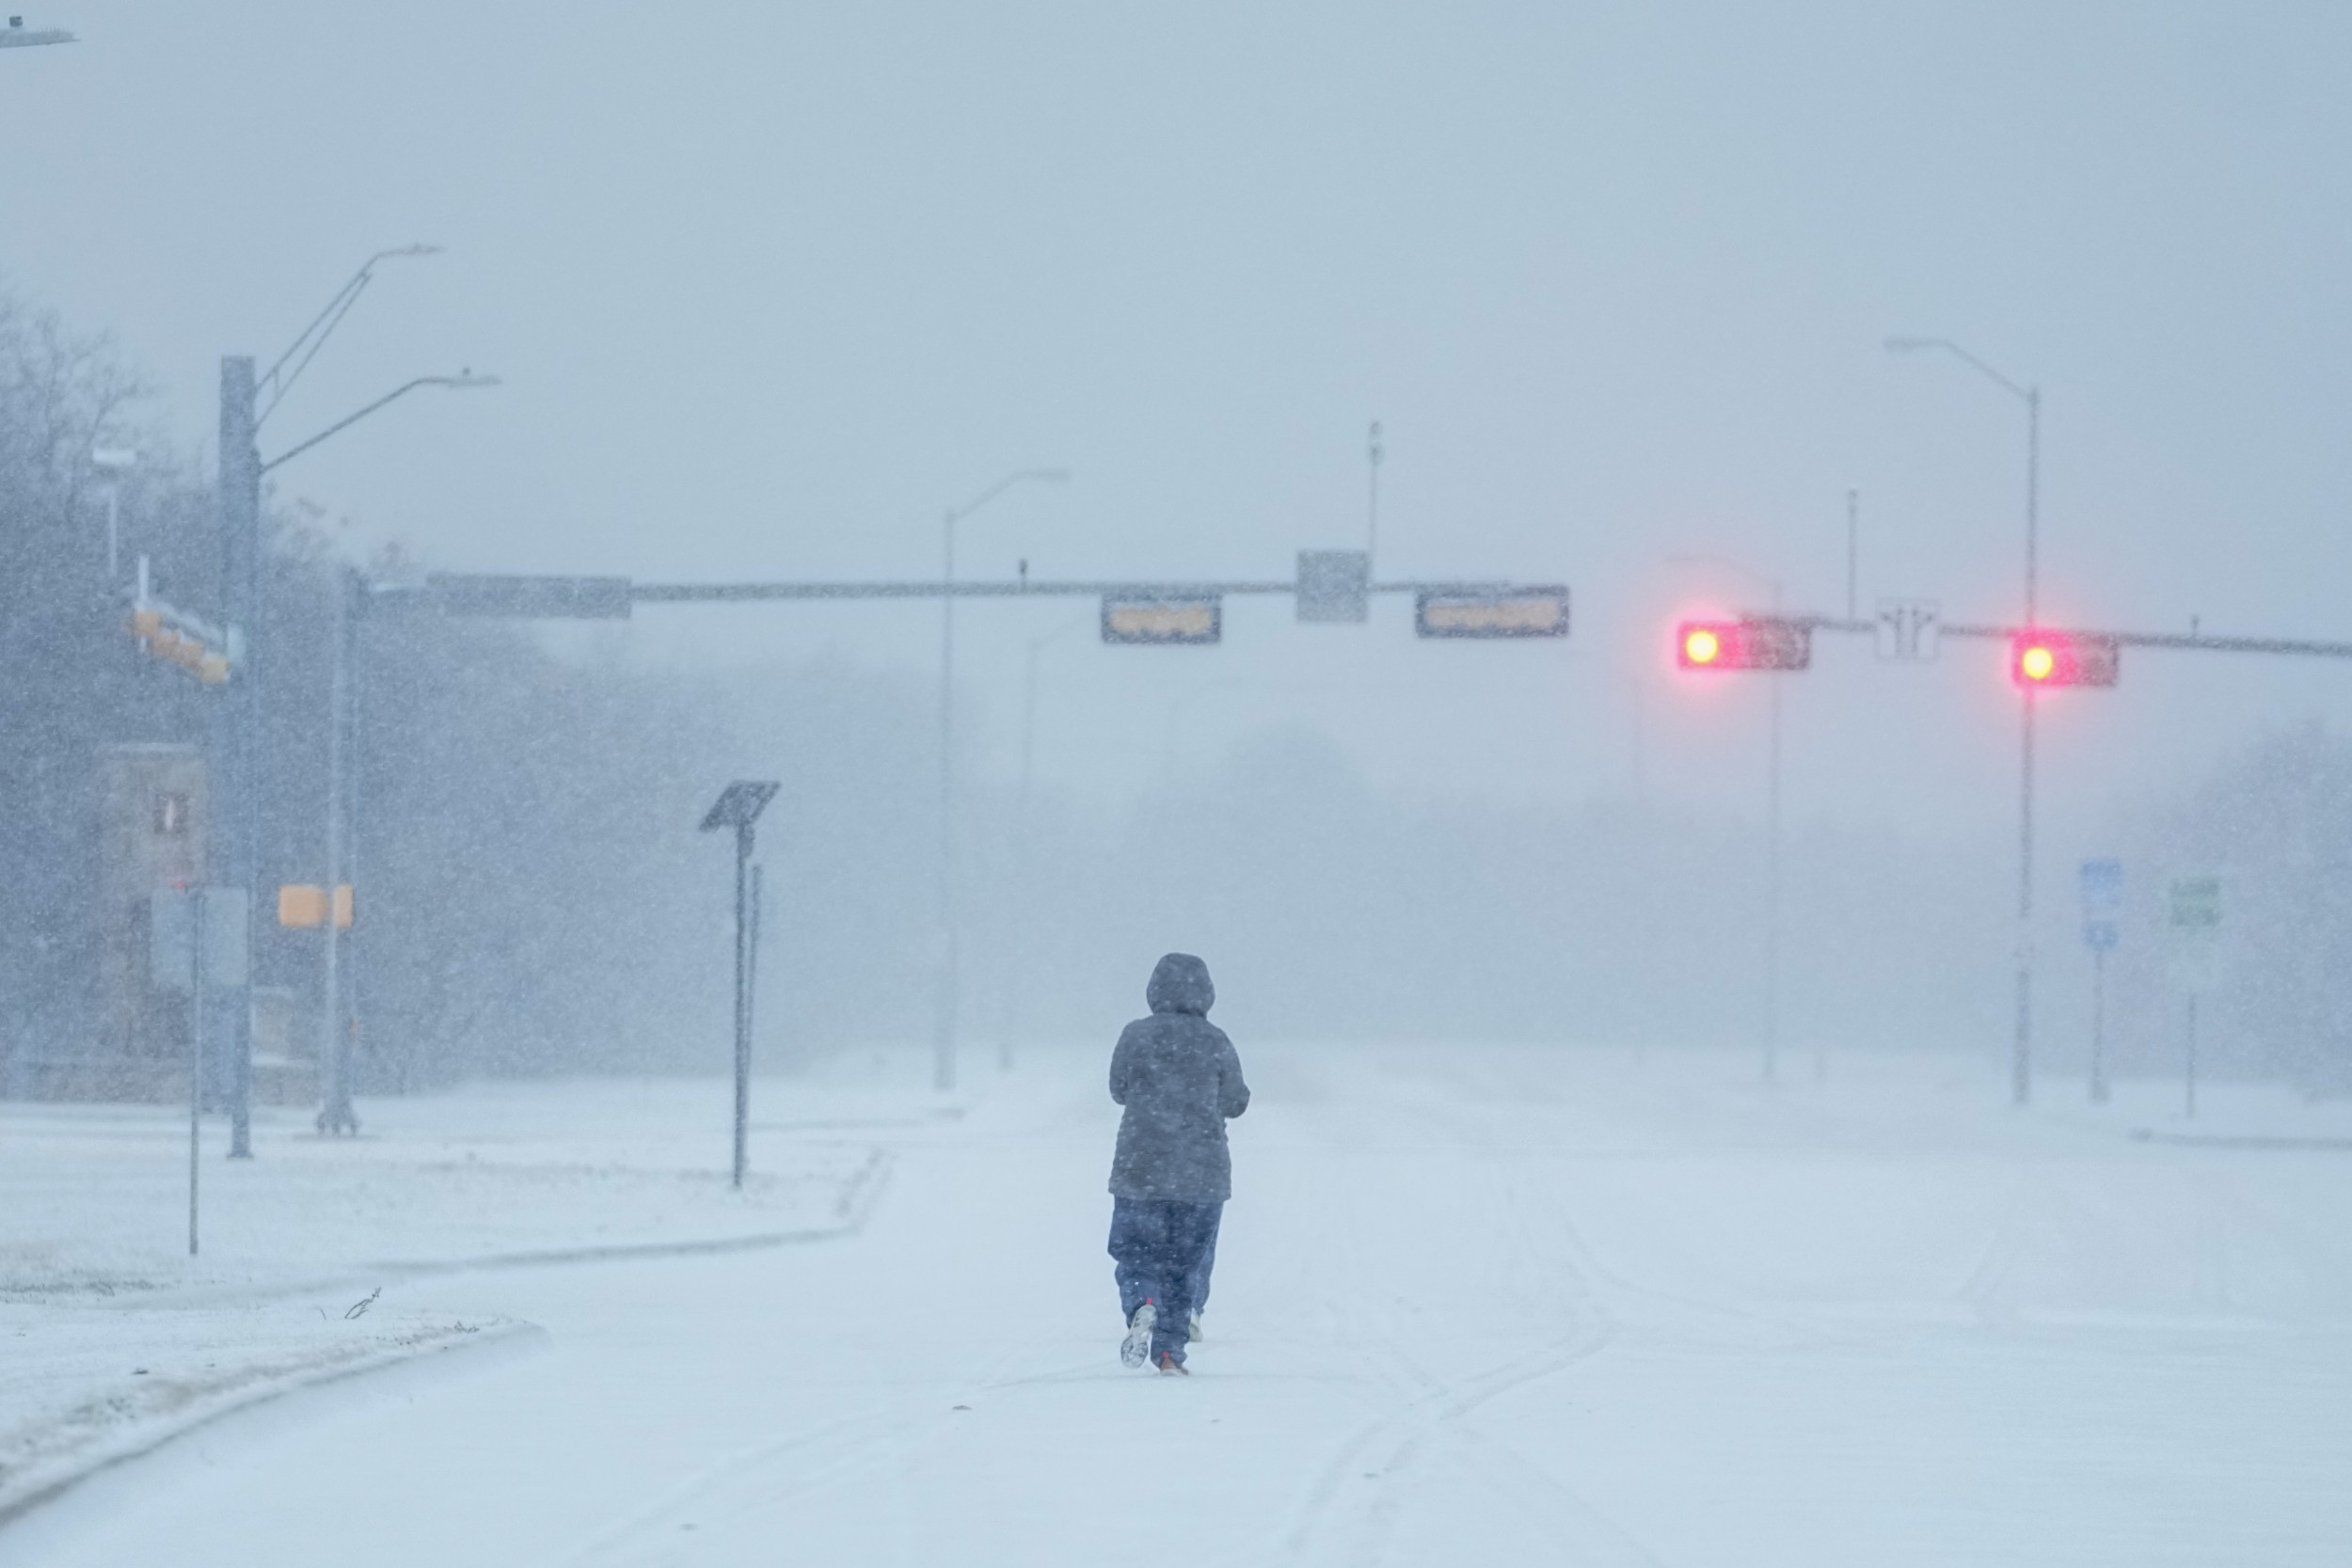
pixel 1180 1079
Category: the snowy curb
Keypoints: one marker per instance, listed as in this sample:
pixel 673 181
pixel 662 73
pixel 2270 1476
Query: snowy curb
pixel 45 1484
pixel 851 1212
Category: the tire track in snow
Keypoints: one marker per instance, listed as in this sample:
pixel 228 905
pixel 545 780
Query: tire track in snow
pixel 1350 1512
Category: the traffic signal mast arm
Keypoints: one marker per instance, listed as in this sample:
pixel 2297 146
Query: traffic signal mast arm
pixel 2050 656
pixel 2197 643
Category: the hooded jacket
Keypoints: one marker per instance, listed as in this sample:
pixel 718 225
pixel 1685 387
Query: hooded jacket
pixel 1180 1079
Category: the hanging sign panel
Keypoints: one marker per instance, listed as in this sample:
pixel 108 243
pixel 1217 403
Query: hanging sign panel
pixel 1188 619
pixel 1496 612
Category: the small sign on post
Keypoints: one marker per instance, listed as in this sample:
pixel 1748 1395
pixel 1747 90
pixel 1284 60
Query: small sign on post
pixel 2102 903
pixel 2103 913
pixel 739 807
pixel 2196 959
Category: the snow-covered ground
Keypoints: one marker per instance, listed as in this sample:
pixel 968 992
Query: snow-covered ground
pixel 1471 1306
pixel 112 1336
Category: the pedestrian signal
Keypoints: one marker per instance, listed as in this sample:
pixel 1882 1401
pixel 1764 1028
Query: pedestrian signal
pixel 2063 658
pixel 1757 642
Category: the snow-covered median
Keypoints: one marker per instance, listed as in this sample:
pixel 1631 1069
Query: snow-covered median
pixel 113 1339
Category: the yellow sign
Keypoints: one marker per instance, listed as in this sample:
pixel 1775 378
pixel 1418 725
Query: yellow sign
pixel 303 905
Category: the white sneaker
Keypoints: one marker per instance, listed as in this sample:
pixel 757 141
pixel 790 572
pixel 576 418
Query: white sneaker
pixel 1192 1331
pixel 1137 1348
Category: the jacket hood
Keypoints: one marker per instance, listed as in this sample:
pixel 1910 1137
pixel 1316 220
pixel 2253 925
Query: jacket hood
pixel 1181 984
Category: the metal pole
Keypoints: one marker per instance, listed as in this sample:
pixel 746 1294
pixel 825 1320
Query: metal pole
pixel 1023 867
pixel 335 1114
pixel 944 1025
pixel 238 815
pixel 2098 1027
pixel 195 1056
pixel 2192 1057
pixel 1771 881
pixel 114 534
pixel 1374 451
pixel 2020 1056
pixel 742 992
pixel 1853 554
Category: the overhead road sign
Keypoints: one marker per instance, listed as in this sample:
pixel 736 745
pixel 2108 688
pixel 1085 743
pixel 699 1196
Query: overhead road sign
pixel 1334 586
pixel 1486 612
pixel 1751 642
pixel 1910 631
pixel 1192 619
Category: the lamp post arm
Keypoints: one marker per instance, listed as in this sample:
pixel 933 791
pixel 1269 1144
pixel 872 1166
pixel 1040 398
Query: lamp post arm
pixel 958 514
pixel 349 419
pixel 322 325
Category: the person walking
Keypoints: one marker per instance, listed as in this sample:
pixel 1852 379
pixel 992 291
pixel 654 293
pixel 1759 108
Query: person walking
pixel 1179 1081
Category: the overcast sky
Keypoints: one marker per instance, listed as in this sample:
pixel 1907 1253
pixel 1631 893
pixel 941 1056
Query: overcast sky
pixel 771 286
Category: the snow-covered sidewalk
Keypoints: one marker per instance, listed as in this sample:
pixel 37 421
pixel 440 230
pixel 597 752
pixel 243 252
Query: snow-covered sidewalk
pixel 112 1338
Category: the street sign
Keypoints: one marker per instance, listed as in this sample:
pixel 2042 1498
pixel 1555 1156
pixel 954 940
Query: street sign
pixel 2196 904
pixel 532 598
pixel 1334 585
pixel 1191 618
pixel 2102 885
pixel 172 938
pixel 1910 631
pixel 1496 612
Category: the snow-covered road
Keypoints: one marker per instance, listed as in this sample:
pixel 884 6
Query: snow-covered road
pixel 1474 1307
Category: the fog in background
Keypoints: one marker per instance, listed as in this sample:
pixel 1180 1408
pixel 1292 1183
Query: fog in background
pixel 768 290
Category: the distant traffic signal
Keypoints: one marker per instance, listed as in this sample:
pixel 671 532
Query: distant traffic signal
pixel 2063 658
pixel 181 639
pixel 1755 642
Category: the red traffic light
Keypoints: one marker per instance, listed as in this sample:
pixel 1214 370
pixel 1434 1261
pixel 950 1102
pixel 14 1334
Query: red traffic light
pixel 1760 643
pixel 2063 658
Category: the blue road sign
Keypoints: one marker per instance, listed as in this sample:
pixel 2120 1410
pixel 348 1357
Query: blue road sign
pixel 2101 886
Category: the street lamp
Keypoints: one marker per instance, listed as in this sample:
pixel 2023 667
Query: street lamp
pixel 2021 1052
pixel 1772 828
pixel 236 740
pixel 944 1026
pixel 113 462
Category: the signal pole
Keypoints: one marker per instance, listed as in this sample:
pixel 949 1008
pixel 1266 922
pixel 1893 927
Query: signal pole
pixel 236 727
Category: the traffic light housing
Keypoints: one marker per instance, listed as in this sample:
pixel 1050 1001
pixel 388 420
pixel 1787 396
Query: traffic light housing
pixel 2038 658
pixel 1751 642
pixel 177 638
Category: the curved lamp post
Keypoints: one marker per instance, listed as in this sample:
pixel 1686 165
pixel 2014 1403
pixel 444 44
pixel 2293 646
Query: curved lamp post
pixel 944 1026
pixel 2021 1052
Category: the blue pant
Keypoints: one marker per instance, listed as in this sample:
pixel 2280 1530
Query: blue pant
pixel 1163 1251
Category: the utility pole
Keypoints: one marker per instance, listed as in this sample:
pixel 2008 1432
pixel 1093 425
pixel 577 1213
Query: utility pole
pixel 1373 451
pixel 236 729
pixel 335 1114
